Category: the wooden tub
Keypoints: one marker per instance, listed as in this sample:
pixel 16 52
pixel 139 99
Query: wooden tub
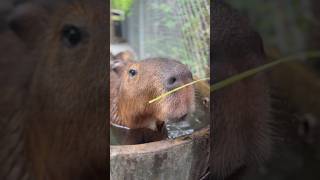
pixel 182 158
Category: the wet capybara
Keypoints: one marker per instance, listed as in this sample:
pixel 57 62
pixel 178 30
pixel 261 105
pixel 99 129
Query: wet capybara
pixel 59 131
pixel 240 127
pixel 134 83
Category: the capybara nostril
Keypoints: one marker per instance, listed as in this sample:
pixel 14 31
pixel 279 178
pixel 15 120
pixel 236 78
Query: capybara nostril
pixel 172 83
pixel 172 80
pixel 178 79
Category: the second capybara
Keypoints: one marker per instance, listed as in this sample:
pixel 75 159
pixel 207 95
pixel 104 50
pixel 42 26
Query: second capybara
pixel 241 132
pixel 59 131
pixel 134 83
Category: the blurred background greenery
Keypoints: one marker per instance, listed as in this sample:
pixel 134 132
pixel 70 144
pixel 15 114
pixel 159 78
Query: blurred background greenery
pixel 123 5
pixel 287 26
pixel 178 29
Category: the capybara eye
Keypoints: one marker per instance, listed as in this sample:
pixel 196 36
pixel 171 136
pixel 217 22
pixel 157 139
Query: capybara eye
pixel 132 72
pixel 71 35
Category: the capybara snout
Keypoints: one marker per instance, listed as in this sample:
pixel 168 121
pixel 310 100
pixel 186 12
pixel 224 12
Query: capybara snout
pixel 135 83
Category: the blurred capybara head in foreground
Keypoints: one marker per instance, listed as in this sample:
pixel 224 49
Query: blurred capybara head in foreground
pixel 65 115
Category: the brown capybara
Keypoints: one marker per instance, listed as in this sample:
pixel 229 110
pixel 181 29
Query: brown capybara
pixel 240 126
pixel 134 83
pixel 59 131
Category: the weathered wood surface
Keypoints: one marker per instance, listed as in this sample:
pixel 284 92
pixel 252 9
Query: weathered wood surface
pixel 180 159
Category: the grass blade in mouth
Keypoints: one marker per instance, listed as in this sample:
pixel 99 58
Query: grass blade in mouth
pixel 176 89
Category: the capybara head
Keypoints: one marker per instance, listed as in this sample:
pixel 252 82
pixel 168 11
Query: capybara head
pixel 67 106
pixel 138 82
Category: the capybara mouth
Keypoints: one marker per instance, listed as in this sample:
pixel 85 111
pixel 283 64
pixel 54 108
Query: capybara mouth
pixel 182 118
pixel 180 105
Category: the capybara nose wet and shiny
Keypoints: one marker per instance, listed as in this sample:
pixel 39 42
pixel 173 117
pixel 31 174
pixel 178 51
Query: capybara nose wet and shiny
pixel 135 83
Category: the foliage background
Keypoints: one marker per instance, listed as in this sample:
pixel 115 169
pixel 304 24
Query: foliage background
pixel 178 29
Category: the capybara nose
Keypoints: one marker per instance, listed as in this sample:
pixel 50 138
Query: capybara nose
pixel 178 78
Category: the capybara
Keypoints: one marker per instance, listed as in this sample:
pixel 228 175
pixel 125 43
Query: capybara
pixel 134 83
pixel 240 126
pixel 58 130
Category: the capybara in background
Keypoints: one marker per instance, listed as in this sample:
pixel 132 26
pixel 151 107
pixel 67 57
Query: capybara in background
pixel 58 130
pixel 240 127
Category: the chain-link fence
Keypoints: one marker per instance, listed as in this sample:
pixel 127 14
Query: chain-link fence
pixel 177 29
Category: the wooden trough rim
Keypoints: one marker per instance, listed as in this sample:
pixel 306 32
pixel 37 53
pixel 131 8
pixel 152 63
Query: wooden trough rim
pixel 161 145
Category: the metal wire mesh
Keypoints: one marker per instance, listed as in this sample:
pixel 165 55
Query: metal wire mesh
pixel 177 29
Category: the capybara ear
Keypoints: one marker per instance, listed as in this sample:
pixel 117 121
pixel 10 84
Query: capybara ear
pixel 118 65
pixel 125 56
pixel 28 20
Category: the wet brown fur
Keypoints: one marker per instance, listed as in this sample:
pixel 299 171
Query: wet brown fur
pixel 130 96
